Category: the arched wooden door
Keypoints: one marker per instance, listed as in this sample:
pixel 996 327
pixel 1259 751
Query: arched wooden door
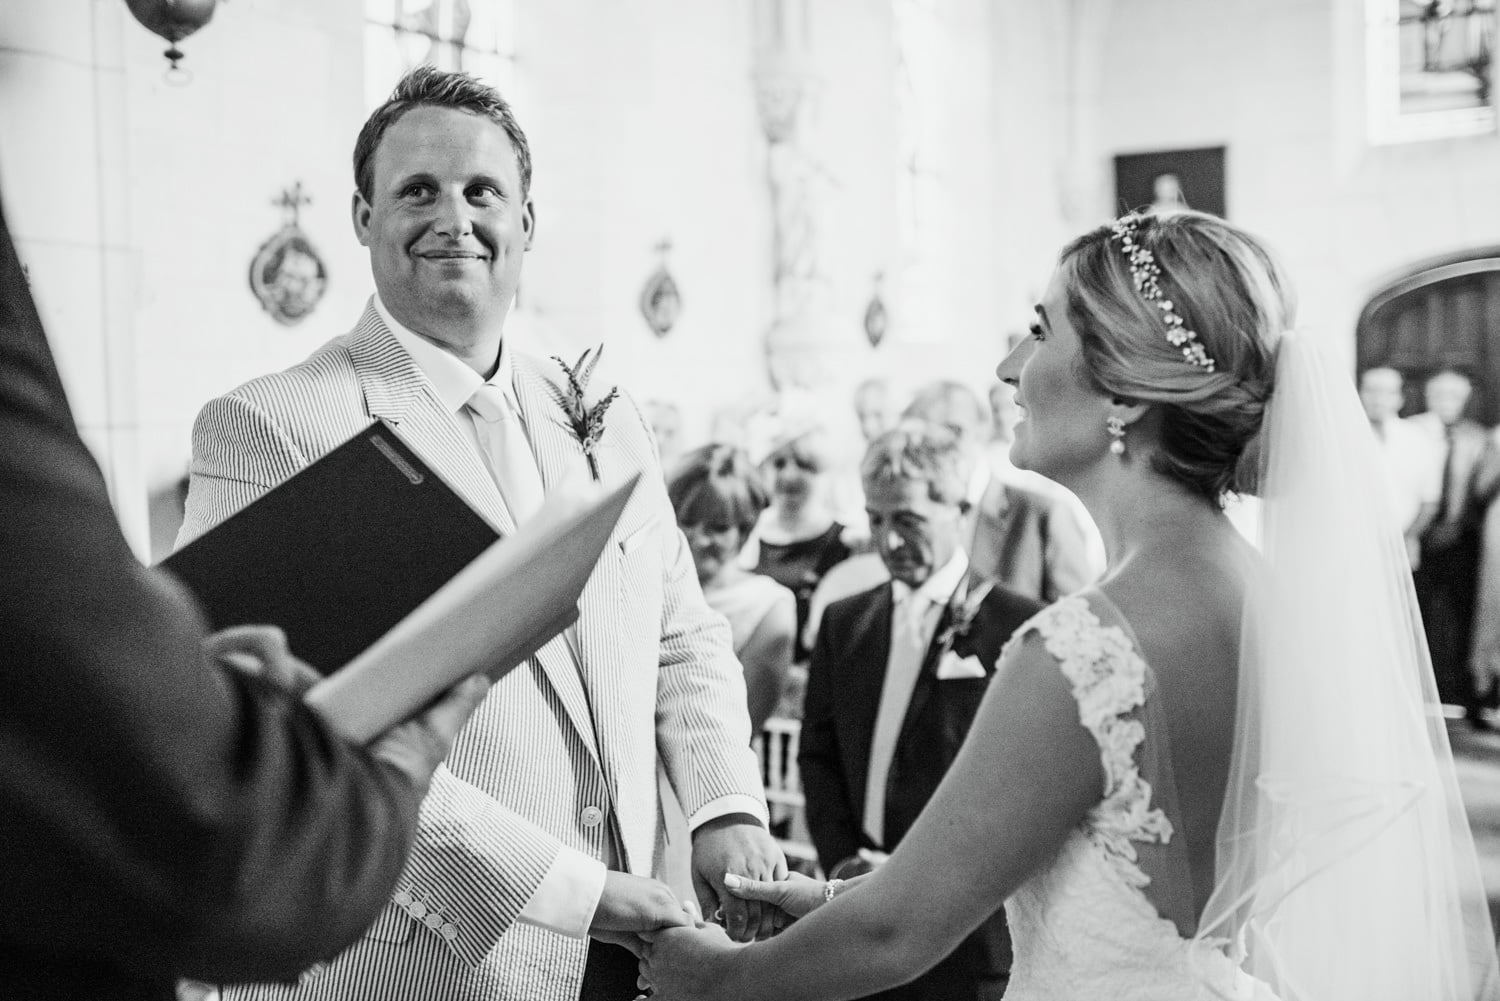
pixel 1443 314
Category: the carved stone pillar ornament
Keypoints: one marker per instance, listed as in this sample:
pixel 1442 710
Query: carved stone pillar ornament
pixel 797 341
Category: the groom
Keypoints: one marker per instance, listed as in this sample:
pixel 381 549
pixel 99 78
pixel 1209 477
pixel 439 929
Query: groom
pixel 545 829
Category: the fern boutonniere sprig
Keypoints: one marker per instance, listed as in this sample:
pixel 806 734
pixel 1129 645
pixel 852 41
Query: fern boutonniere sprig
pixel 586 421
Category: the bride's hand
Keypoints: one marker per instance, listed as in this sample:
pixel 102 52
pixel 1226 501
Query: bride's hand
pixel 687 964
pixel 792 897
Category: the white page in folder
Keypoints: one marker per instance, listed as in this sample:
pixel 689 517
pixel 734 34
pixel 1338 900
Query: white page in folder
pixel 500 609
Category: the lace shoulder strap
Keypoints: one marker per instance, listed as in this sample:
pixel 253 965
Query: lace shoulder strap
pixel 1108 677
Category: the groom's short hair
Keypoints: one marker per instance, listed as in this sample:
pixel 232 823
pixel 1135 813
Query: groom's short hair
pixel 427 86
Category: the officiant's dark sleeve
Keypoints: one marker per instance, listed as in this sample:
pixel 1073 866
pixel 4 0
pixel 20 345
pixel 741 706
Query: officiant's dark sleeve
pixel 158 817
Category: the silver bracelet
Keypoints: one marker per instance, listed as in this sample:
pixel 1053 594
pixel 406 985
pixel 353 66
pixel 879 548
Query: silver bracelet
pixel 830 888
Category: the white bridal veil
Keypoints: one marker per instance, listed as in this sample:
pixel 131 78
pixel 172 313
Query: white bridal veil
pixel 1346 869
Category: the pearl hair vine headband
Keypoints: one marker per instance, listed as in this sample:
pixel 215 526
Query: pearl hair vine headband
pixel 1144 272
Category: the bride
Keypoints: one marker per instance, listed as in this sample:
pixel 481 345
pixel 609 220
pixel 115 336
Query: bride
pixel 1218 774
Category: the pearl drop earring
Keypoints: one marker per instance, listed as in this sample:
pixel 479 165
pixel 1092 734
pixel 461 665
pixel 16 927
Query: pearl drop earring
pixel 1116 428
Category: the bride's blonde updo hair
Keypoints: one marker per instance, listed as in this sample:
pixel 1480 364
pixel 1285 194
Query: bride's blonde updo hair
pixel 1228 288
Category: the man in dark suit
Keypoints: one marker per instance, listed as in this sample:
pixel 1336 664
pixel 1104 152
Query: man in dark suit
pixel 896 677
pixel 162 815
pixel 1447 579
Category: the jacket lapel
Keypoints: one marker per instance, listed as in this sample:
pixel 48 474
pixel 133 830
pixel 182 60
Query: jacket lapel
pixel 566 659
pixel 395 390
pixel 865 668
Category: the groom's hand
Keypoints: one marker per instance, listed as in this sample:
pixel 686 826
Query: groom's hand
pixel 736 844
pixel 630 905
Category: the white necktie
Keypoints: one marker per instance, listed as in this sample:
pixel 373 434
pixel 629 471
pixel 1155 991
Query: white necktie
pixel 909 641
pixel 503 441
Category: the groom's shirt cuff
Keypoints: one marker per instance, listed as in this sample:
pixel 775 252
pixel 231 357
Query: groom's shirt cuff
pixel 565 899
pixel 737 802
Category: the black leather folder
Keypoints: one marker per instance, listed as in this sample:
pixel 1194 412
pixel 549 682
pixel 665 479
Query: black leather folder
pixel 339 553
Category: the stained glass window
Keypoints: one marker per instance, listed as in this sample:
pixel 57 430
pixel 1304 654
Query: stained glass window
pixel 470 35
pixel 1430 68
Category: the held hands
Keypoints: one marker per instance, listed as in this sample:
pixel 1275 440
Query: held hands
pixel 414 748
pixel 736 844
pixel 631 905
pixel 791 898
pixel 688 964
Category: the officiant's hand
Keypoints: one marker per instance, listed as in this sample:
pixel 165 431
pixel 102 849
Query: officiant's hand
pixel 261 651
pixel 737 844
pixel 414 748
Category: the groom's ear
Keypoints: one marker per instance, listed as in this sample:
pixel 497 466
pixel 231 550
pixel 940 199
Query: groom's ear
pixel 359 212
pixel 528 222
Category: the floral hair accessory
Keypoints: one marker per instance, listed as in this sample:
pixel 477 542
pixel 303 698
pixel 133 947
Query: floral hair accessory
pixel 1144 272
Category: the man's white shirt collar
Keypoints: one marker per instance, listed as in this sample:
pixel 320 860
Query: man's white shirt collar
pixel 941 585
pixel 453 380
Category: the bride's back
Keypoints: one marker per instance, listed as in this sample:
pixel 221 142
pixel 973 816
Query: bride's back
pixel 1182 602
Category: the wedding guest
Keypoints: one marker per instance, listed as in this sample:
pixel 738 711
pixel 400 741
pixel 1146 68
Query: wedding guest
pixel 1214 774
pixel 665 418
pixel 1025 531
pixel 718 496
pixel 163 812
pixel 874 407
pixel 1484 659
pixel 797 539
pixel 896 678
pixel 1448 577
pixel 1410 480
pixel 536 857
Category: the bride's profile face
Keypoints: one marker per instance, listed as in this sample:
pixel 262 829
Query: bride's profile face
pixel 1062 416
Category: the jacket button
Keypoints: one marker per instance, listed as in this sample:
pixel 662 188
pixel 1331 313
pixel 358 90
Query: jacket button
pixel 417 910
pixel 592 816
pixel 432 921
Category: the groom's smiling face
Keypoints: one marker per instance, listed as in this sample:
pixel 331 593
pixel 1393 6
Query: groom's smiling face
pixel 447 223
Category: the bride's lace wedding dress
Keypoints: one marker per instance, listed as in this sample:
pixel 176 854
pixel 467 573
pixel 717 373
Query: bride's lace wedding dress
pixel 1083 927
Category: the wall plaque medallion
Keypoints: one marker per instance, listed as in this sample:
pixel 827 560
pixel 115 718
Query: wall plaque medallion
pixel 877 318
pixel 661 301
pixel 287 274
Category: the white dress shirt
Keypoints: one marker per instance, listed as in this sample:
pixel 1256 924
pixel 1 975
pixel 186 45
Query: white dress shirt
pixel 915 613
pixel 1413 467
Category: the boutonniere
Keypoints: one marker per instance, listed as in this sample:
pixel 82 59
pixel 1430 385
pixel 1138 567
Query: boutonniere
pixel 587 422
pixel 963 608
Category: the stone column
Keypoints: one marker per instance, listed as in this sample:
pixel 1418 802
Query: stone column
pixel 802 342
